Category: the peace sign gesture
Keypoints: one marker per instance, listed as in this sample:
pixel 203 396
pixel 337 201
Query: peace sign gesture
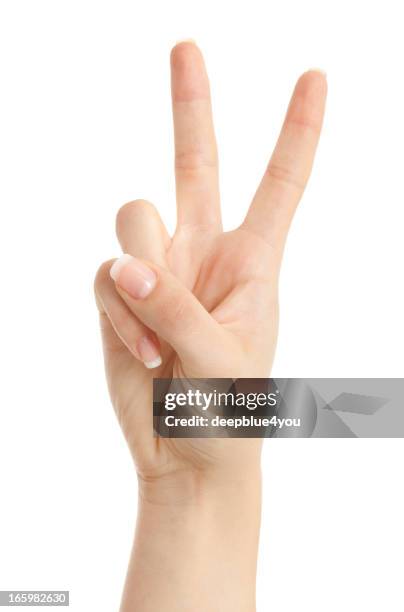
pixel 204 302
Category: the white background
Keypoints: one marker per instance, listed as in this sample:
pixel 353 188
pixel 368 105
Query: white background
pixel 85 126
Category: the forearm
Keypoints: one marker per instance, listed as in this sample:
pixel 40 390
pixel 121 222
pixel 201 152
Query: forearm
pixel 198 554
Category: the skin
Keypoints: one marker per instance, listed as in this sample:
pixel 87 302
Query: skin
pixel 212 311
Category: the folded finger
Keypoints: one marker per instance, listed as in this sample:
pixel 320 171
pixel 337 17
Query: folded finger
pixel 138 339
pixel 167 307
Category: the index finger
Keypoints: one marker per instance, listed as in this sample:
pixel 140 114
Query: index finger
pixel 196 159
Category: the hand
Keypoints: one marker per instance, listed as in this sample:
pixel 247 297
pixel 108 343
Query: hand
pixel 200 304
pixel 205 301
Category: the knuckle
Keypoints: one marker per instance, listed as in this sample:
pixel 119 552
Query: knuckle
pixel 176 313
pixel 191 161
pixel 123 322
pixel 102 274
pixel 285 175
pixel 306 125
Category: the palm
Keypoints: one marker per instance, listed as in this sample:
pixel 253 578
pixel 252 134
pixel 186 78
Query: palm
pixel 232 269
pixel 233 275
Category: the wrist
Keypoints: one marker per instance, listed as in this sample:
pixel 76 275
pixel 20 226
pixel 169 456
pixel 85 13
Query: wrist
pixel 201 535
pixel 187 489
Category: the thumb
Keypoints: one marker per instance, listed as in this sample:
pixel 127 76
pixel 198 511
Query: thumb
pixel 162 303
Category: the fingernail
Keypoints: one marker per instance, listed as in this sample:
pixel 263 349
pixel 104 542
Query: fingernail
pixel 185 40
pixel 149 353
pixel 320 70
pixel 133 276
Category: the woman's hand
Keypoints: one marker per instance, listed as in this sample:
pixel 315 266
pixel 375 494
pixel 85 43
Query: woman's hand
pixel 202 304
